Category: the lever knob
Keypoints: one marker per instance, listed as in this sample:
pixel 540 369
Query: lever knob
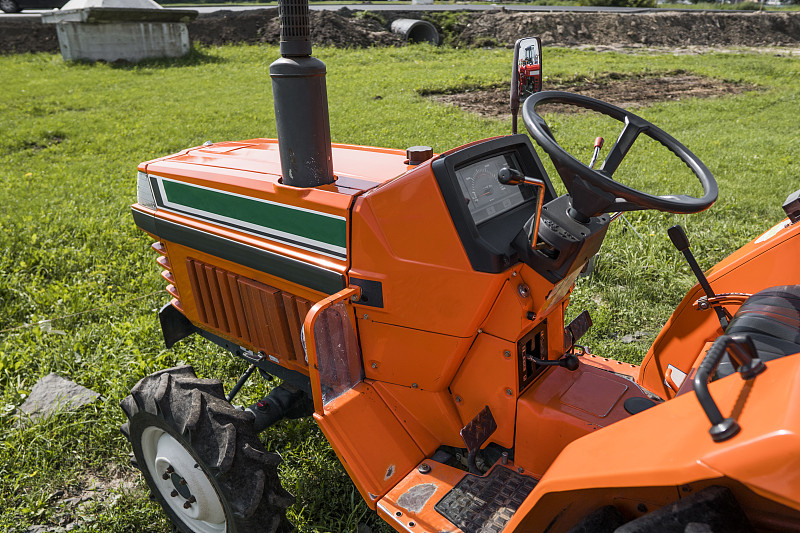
pixel 678 238
pixel 510 176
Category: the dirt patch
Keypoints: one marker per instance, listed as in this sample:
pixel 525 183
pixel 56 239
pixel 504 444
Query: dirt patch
pixel 345 28
pixel 662 29
pixel 74 503
pixel 627 91
pixel 27 34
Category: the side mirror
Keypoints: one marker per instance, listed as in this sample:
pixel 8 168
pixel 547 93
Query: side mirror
pixel 526 73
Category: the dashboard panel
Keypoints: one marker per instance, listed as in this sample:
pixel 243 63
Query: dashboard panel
pixel 487 214
pixel 486 197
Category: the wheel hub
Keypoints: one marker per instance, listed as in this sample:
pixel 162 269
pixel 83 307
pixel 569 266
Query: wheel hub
pixel 182 483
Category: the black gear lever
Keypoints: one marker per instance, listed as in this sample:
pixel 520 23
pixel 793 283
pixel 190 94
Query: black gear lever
pixel 681 242
pixel 569 361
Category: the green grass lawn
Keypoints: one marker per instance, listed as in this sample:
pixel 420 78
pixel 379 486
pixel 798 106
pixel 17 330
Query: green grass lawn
pixel 71 136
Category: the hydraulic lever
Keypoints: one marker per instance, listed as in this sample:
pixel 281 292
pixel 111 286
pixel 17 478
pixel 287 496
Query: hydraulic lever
pixel 569 361
pixel 681 242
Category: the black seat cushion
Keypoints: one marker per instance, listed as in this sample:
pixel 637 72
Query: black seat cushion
pixel 772 319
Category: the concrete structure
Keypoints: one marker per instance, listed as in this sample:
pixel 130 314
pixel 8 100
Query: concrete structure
pixel 114 30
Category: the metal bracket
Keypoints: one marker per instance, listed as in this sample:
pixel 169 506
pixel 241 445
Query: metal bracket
pixel 720 300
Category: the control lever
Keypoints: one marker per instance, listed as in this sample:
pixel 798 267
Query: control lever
pixel 681 242
pixel 598 144
pixel 512 176
pixel 569 361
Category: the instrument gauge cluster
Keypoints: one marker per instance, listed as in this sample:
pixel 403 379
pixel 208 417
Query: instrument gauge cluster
pixel 484 195
pixel 487 214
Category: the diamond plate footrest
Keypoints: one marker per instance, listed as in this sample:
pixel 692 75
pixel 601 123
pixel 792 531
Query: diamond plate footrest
pixel 485 504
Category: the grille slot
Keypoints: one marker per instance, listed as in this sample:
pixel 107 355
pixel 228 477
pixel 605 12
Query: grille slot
pixel 260 315
pixel 163 261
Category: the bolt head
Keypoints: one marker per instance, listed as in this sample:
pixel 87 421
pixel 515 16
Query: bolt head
pixel 523 290
pixel 173 493
pixel 366 316
pixel 186 504
pixel 374 365
pixel 507 354
pixel 424 468
pixel 458 399
pixel 509 392
pixel 414 386
pixel 354 298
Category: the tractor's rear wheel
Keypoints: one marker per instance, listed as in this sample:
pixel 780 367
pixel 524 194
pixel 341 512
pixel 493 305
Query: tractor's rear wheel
pixel 201 458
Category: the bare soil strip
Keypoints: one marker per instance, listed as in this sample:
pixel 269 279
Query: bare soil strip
pixel 628 91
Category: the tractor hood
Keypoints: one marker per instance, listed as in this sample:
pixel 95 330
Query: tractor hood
pixel 357 168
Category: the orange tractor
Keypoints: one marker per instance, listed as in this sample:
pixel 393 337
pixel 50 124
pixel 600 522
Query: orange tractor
pixel 439 367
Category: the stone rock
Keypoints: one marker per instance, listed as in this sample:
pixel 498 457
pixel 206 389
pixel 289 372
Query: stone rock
pixel 53 393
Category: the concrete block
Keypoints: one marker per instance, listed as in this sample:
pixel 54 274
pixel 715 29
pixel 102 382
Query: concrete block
pixel 128 41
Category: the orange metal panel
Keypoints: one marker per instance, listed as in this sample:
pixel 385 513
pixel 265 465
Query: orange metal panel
pixel 249 312
pixel 172 291
pixel 563 406
pixel 508 318
pixel 408 507
pixel 611 365
pixel 427 281
pixel 256 163
pixel 430 418
pixel 203 295
pixel 216 297
pixel 759 264
pixel 374 448
pixel 669 446
pixel 488 377
pixel 407 356
pixel 296 311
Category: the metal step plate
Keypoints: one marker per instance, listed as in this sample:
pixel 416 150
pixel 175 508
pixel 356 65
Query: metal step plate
pixel 485 504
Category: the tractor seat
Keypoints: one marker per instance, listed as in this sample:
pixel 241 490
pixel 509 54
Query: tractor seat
pixel 771 318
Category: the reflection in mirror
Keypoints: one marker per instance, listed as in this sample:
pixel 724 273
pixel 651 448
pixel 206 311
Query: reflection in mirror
pixel 526 73
pixel 529 67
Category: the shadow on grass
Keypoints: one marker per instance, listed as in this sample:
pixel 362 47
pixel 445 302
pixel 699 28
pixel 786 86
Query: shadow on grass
pixel 194 58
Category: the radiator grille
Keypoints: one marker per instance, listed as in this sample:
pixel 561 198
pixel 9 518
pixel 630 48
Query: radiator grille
pixel 260 315
pixel 163 261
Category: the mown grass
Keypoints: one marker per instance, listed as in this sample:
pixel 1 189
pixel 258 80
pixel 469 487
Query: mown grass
pixel 71 135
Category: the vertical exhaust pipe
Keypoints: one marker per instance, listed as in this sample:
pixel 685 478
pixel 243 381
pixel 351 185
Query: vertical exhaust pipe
pixel 301 102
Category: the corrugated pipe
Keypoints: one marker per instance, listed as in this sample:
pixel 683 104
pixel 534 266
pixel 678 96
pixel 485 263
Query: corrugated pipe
pixel 416 31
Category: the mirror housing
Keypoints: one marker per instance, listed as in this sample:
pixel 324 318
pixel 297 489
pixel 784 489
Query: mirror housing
pixel 526 74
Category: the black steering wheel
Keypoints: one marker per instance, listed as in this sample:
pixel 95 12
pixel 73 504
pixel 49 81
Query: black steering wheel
pixel 594 191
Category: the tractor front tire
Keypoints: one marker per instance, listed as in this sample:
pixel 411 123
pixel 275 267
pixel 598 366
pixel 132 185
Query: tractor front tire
pixel 201 458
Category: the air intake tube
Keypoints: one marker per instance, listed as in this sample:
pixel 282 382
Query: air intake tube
pixel 301 102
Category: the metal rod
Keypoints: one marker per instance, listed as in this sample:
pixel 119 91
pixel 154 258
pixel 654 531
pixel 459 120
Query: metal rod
pixel 241 382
